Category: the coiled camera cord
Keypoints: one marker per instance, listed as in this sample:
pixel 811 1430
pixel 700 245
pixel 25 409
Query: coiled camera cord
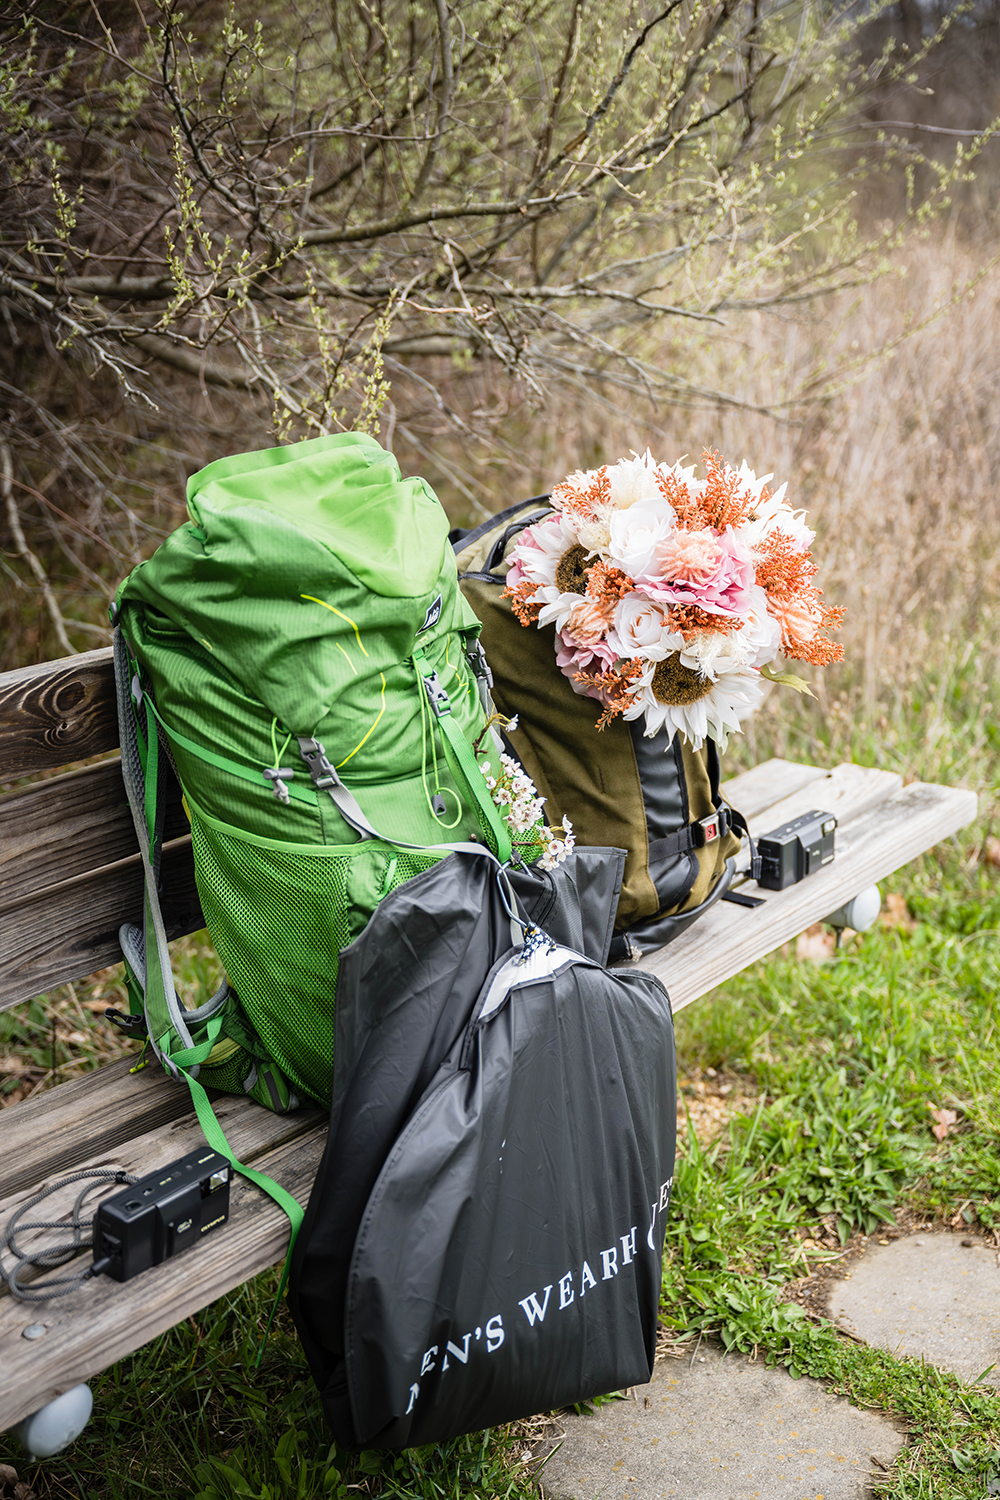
pixel 52 1256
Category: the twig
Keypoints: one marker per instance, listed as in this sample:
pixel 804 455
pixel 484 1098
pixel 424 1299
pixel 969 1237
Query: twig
pixel 23 550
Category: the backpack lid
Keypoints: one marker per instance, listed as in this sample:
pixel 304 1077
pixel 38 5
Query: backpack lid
pixel 283 571
pixel 344 491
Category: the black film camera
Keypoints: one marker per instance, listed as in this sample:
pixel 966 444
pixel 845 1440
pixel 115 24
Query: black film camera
pixel 796 849
pixel 162 1214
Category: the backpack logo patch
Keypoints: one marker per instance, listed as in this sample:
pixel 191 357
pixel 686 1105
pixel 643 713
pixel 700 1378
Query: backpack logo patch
pixel 432 616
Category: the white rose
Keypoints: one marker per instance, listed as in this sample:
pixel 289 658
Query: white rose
pixel 633 537
pixel 640 628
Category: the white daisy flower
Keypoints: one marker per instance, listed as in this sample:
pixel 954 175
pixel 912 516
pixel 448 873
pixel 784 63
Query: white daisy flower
pixel 675 697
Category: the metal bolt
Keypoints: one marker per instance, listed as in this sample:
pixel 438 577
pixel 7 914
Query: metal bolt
pixel 33 1331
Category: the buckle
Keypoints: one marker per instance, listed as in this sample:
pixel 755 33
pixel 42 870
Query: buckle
pixel 711 828
pixel 436 695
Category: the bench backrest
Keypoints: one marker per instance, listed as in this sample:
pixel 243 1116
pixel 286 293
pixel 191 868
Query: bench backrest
pixel 70 872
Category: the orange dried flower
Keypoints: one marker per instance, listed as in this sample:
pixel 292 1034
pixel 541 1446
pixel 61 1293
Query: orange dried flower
pixel 606 585
pixel 584 502
pixel 783 568
pixel 688 620
pixel 616 686
pixel 720 503
pixel 674 491
pixel 521 604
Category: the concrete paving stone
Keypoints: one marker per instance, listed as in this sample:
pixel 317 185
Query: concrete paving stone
pixel 722 1428
pixel 928 1294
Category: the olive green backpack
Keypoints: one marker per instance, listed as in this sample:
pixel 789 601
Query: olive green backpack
pixel 658 800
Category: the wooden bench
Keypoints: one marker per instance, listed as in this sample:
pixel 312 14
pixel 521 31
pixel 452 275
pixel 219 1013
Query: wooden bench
pixel 70 875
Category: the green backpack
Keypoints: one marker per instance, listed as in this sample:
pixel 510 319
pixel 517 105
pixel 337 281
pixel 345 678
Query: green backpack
pixel 300 653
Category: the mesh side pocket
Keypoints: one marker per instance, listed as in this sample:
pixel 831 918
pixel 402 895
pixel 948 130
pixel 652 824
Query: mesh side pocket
pixel 278 920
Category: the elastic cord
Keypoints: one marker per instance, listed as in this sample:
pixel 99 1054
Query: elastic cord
pixel 52 1256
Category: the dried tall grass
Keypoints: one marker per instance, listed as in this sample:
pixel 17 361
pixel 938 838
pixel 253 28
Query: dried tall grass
pixel 899 473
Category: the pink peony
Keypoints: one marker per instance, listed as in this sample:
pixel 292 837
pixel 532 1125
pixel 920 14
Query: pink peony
pixel 590 659
pixel 689 556
pixel 722 589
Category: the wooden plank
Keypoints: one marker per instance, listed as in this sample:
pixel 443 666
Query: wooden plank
pixel 57 1130
pixel 107 1320
pixel 728 938
pixel 848 791
pixel 753 791
pixel 71 930
pixel 249 1128
pixel 70 826
pixel 57 712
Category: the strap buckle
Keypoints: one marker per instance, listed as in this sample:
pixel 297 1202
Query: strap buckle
pixel 131 1025
pixel 476 657
pixel 324 775
pixel 436 695
pixel 713 827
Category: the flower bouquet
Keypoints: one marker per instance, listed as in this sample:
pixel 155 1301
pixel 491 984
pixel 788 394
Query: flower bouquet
pixel 672 596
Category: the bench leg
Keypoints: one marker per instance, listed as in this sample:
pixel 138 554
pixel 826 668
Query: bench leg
pixel 859 913
pixel 56 1425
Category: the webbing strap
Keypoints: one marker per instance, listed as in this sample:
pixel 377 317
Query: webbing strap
pixel 461 758
pixel 165 1017
pixel 692 835
pixel 325 778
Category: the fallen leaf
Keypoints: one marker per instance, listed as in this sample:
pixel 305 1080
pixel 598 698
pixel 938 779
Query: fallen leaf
pixel 98 1007
pixel 991 852
pixel 944 1120
pixel 816 944
pixel 896 913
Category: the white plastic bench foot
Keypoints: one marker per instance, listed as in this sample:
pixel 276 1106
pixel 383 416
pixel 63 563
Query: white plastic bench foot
pixel 859 913
pixel 56 1425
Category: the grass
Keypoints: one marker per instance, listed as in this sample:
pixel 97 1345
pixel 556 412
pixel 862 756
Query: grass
pixel 837 1062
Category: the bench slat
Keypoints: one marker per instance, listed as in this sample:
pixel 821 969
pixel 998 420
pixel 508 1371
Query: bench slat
pixel 58 1129
pixel 728 938
pixel 249 1128
pixel 57 712
pixel 71 930
pixel 848 791
pixel 759 788
pixel 107 1320
pixel 71 826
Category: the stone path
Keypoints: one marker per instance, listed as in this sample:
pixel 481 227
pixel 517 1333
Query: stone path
pixel 936 1295
pixel 723 1428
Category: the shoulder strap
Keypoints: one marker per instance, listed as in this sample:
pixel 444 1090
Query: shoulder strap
pixel 166 1019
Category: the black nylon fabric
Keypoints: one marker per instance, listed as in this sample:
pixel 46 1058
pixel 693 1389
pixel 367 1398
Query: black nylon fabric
pixel 665 803
pixel 509 1257
pixel 406 990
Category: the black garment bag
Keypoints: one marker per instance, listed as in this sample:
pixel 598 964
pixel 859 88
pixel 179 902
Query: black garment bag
pixel 484 1236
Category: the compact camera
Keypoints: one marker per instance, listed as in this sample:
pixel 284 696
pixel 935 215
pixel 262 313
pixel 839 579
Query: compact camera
pixel 162 1214
pixel 796 849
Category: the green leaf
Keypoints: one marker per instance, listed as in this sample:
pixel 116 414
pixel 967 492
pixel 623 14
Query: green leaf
pixel 787 679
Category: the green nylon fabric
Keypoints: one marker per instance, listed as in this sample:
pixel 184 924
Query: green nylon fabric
pixel 291 605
